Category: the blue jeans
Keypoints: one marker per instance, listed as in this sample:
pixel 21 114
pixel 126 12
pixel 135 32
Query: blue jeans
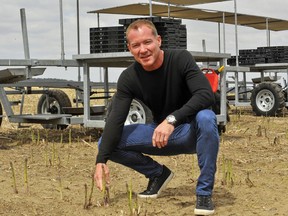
pixel 200 137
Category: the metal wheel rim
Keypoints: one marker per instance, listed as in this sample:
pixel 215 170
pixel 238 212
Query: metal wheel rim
pixel 136 114
pixel 265 100
pixel 52 103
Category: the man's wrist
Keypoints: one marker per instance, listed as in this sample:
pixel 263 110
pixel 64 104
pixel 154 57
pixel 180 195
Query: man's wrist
pixel 171 120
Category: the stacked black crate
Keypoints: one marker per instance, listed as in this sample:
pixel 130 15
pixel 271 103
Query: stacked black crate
pixel 261 56
pixel 274 54
pixel 267 53
pixel 172 31
pixel 247 57
pixel 173 35
pixel 107 39
pixel 231 61
pixel 113 39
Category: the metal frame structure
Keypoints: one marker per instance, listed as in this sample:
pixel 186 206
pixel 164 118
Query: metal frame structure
pixel 25 87
pixel 104 60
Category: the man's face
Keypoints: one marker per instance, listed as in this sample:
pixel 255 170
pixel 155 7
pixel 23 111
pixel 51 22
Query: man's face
pixel 145 47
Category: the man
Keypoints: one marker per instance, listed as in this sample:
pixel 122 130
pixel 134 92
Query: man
pixel 179 95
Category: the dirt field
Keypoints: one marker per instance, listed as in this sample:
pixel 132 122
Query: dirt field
pixel 53 173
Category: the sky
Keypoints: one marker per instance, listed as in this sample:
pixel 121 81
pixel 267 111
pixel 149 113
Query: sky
pixel 43 25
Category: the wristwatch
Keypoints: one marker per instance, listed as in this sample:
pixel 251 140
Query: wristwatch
pixel 171 119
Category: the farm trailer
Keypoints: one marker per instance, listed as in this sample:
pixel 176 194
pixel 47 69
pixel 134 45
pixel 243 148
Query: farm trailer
pixel 265 94
pixel 54 108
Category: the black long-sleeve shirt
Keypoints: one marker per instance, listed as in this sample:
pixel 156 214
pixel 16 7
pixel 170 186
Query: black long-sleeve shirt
pixel 178 87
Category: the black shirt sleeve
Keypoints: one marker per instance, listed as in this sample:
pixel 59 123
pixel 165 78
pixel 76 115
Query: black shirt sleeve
pixel 115 122
pixel 198 85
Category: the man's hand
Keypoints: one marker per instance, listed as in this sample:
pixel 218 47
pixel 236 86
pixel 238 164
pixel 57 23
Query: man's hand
pixel 98 175
pixel 161 134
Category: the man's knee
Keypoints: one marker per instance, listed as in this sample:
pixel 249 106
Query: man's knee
pixel 206 118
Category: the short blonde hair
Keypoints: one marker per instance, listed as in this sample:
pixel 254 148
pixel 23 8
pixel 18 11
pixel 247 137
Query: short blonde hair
pixel 141 22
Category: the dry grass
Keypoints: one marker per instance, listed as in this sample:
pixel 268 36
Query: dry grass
pixel 251 178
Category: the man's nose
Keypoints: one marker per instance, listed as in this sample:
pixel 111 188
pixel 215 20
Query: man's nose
pixel 143 48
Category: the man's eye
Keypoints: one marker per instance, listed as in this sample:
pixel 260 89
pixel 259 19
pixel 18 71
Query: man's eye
pixel 135 46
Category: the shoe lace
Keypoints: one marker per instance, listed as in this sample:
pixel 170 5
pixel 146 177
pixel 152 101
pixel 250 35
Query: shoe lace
pixel 152 183
pixel 204 201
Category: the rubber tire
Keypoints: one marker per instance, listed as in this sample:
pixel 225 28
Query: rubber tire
pixel 267 99
pixel 1 114
pixel 141 111
pixel 60 99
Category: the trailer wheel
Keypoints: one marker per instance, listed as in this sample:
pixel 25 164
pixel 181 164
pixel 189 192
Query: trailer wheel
pixel 56 100
pixel 267 99
pixel 139 113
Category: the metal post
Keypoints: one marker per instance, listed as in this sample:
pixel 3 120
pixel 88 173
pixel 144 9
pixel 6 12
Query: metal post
pixel 205 64
pixel 219 38
pixel 61 30
pixel 100 69
pixel 267 32
pixel 150 8
pixel 25 41
pixel 78 51
pixel 204 45
pixel 106 84
pixel 223 96
pixel 78 38
pixel 236 32
pixel 86 91
pixel 224 33
pixel 24 33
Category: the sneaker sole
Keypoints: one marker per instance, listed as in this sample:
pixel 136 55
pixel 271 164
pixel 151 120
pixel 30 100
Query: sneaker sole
pixel 154 196
pixel 203 212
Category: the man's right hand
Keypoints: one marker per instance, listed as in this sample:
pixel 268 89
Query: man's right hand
pixel 161 134
pixel 98 175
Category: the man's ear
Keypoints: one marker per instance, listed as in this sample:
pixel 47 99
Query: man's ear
pixel 128 47
pixel 159 39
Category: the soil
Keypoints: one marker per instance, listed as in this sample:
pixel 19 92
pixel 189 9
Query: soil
pixel 252 175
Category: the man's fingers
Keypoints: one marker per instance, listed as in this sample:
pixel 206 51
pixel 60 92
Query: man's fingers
pixel 154 142
pixel 159 140
pixel 98 178
pixel 101 172
pixel 107 174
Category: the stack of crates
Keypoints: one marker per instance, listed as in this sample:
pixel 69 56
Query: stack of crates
pixel 107 39
pixel 261 55
pixel 113 39
pixel 172 31
pixel 275 54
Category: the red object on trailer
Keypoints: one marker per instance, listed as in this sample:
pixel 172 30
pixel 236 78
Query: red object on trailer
pixel 212 76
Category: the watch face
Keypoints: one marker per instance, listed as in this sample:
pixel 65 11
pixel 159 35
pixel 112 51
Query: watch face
pixel 171 119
